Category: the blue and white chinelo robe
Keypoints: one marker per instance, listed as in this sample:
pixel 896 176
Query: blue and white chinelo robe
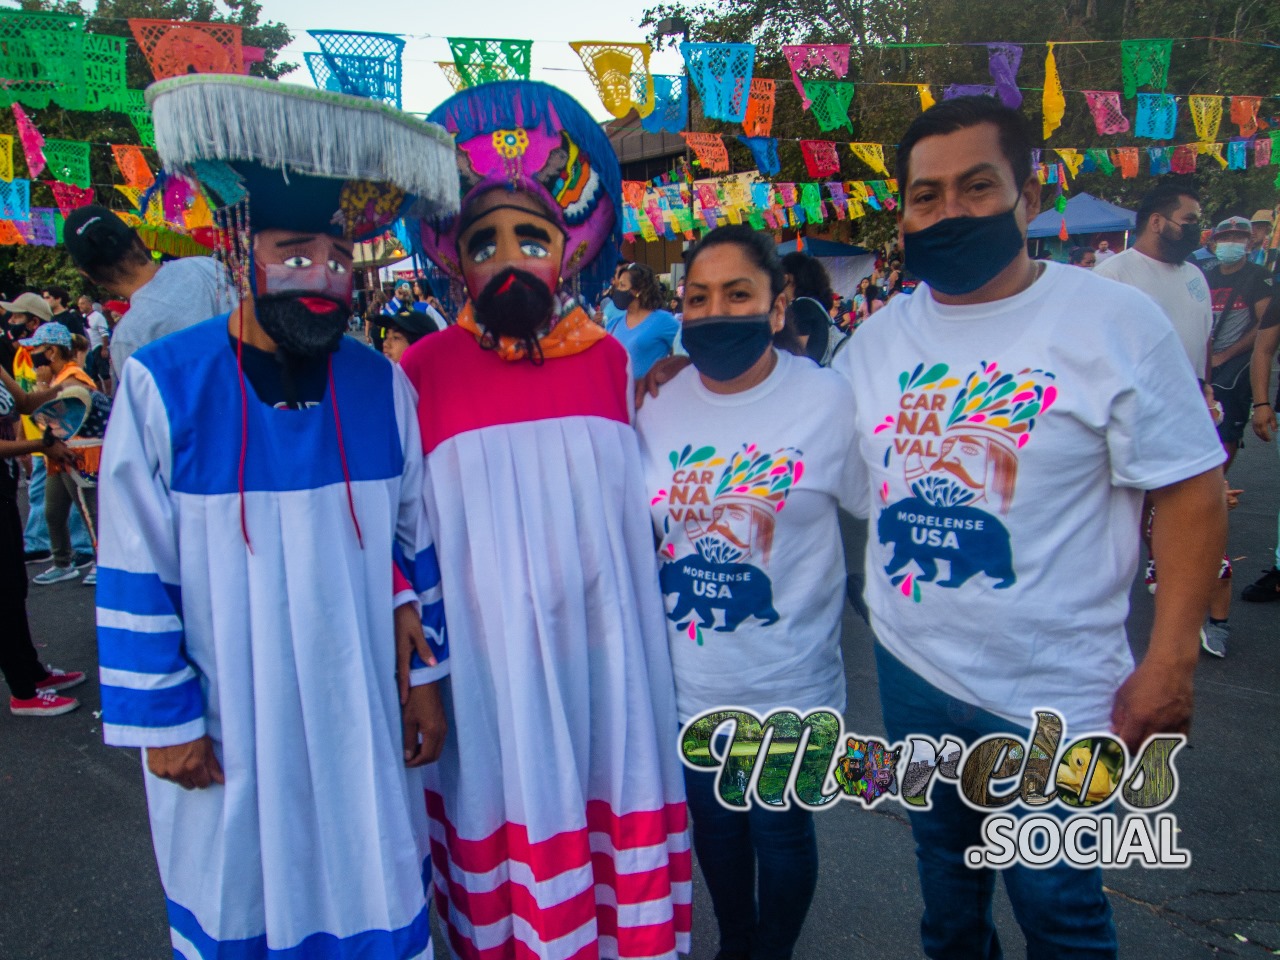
pixel 284 655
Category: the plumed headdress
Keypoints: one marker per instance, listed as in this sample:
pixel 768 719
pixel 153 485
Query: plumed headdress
pixel 528 136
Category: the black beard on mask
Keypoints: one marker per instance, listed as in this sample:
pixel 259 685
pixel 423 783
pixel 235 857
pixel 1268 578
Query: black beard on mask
pixel 298 332
pixel 515 304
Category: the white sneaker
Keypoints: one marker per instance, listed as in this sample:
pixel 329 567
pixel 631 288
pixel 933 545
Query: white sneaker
pixel 55 574
pixel 90 575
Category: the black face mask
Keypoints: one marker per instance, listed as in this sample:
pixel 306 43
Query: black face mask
pixel 1181 244
pixel 515 303
pixel 301 334
pixel 724 348
pixel 622 298
pixel 39 360
pixel 962 254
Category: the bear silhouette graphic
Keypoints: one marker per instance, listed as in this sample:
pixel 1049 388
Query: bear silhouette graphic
pixel 972 541
pixel 738 590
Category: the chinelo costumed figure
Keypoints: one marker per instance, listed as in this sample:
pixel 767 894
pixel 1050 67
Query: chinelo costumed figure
pixel 557 807
pixel 261 472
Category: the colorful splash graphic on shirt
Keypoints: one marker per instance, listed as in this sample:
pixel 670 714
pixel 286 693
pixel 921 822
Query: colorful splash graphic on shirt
pixel 958 441
pixel 718 534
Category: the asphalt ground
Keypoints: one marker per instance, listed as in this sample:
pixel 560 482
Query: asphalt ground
pixel 78 879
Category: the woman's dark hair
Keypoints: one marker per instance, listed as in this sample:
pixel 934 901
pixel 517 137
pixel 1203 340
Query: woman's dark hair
pixel 1076 256
pixel 761 251
pixel 864 280
pixel 648 291
pixel 758 247
pixel 809 276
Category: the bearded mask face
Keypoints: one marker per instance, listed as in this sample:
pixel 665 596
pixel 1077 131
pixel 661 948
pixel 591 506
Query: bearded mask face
pixel 510 253
pixel 303 292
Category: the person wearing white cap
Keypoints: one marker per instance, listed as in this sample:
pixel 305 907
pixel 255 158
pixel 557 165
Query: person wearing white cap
pixel 56 344
pixel 1241 292
pixel 26 312
pixel 1260 227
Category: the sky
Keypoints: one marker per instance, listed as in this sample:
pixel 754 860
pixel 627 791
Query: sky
pixel 425 25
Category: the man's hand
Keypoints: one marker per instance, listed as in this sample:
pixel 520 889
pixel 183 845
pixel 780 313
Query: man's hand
pixel 1156 699
pixel 1233 497
pixel 409 637
pixel 192 766
pixel 423 717
pixel 661 372
pixel 1264 422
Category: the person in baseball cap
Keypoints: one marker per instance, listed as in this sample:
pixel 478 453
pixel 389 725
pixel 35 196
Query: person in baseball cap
pixel 26 312
pixel 1260 226
pixel 49 335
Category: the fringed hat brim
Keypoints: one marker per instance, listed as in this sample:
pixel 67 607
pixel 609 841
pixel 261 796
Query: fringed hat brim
pixel 301 129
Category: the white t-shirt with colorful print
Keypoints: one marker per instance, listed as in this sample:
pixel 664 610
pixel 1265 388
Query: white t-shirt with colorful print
pixel 1006 448
pixel 743 492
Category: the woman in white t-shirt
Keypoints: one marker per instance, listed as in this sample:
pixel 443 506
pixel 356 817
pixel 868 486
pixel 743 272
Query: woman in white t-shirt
pixel 745 456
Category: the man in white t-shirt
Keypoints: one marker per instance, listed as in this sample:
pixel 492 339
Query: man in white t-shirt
pixel 95 324
pixel 1010 416
pixel 1168 227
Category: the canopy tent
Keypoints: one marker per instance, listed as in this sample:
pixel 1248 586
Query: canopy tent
pixel 846 264
pixel 1085 213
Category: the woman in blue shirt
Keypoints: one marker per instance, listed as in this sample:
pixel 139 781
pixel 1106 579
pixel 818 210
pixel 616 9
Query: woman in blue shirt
pixel 645 329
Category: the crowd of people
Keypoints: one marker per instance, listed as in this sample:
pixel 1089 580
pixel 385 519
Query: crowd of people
pixel 428 629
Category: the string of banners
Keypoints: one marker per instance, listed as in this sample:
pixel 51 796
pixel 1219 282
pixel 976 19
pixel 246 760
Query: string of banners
pixel 675 204
pixel 50 60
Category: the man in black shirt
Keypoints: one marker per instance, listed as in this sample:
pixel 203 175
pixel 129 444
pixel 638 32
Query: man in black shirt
pixel 1241 293
pixel 59 301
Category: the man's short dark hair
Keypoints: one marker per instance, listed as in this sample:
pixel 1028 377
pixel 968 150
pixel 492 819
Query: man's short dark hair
pixel 60 294
pixel 102 245
pixel 960 113
pixel 1163 199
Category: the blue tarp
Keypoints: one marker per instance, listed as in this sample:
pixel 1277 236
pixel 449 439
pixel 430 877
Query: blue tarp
pixel 823 248
pixel 1085 213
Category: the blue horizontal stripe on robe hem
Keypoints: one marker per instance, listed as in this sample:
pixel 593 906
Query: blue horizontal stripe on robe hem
pixel 405 943
pixel 142 594
pixel 165 707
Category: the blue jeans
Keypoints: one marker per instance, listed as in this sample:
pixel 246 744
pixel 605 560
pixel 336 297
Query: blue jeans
pixel 1062 910
pixel 36 534
pixel 730 844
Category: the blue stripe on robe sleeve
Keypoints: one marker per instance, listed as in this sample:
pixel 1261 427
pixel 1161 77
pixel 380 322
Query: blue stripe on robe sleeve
pixel 153 709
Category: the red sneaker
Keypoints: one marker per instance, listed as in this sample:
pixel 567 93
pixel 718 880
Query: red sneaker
pixel 60 679
pixel 45 703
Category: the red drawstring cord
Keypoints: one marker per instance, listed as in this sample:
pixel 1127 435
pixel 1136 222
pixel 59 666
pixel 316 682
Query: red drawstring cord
pixel 244 425
pixel 342 454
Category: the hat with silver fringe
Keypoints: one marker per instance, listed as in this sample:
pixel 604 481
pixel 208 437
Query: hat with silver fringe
pixel 301 158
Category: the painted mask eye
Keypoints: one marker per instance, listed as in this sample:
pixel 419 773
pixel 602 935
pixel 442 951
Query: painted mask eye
pixel 298 261
pixel 337 267
pixel 534 250
pixel 484 253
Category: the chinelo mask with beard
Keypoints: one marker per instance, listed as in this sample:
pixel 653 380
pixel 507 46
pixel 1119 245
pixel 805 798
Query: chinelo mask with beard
pixel 511 253
pixel 303 291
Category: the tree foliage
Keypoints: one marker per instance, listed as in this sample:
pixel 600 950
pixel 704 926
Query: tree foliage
pixel 909 42
pixel 29 266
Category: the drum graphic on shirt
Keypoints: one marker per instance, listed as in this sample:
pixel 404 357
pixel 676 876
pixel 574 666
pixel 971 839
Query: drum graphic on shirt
pixel 718 535
pixel 958 442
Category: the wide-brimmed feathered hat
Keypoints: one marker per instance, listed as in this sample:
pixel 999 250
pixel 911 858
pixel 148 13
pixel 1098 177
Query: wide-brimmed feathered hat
pixel 308 159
